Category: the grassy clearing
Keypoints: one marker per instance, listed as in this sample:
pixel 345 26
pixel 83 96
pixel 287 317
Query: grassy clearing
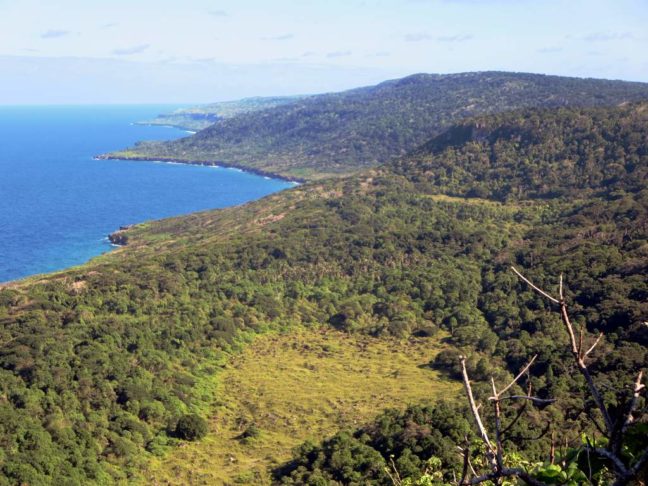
pixel 300 386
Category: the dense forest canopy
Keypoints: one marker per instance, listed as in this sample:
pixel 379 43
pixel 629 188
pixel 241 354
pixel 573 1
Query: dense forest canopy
pixel 103 365
pixel 340 133
pixel 525 155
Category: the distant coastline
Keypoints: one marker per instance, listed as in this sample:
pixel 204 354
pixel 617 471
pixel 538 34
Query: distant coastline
pixel 184 128
pixel 226 165
pixel 117 194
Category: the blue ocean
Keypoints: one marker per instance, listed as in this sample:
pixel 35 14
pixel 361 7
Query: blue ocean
pixel 58 204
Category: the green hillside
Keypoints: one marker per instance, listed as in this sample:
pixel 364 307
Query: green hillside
pixel 341 133
pixel 314 381
pixel 584 174
pixel 200 117
pixel 99 364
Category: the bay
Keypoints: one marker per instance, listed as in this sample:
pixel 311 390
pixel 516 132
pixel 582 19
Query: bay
pixel 58 204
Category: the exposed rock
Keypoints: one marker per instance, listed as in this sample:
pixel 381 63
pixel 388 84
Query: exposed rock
pixel 120 237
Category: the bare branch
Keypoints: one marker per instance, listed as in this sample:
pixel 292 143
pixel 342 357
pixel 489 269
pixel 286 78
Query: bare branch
pixel 636 391
pixel 637 466
pixel 499 458
pixel 598 340
pixel 472 469
pixel 473 407
pixel 542 433
pixel 589 462
pixel 623 471
pixel 613 458
pixel 576 351
pixel 596 395
pixel 395 477
pixel 537 289
pixel 594 421
pixel 466 462
pixel 517 417
pixel 507 473
pixel 536 400
pixel 519 375
pixel 570 329
pixel 552 451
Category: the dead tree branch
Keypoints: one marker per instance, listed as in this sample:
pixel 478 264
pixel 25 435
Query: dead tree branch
pixel 614 430
pixel 537 289
pixel 475 409
pixel 495 452
pixel 507 473
pixel 576 349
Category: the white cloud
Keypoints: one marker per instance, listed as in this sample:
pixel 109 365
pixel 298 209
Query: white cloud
pixel 418 37
pixel 422 36
pixel 281 37
pixel 550 50
pixel 55 34
pixel 128 51
pixel 608 36
pixel 454 38
pixel 335 54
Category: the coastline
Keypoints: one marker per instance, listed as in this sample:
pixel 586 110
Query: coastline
pixel 184 128
pixel 111 237
pixel 226 165
pixel 118 238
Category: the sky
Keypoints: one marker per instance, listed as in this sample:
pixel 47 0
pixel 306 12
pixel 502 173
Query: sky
pixel 198 51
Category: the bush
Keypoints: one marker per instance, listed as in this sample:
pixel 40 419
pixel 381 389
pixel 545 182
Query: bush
pixel 251 433
pixel 448 360
pixel 191 427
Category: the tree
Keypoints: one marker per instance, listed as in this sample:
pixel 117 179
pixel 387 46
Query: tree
pixel 191 427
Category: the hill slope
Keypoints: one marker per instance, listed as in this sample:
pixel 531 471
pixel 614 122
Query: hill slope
pixel 200 117
pixel 355 375
pixel 99 363
pixel 339 133
pixel 531 154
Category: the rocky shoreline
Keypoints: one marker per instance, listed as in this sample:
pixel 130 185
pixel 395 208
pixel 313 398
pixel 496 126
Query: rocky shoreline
pixel 226 165
pixel 119 237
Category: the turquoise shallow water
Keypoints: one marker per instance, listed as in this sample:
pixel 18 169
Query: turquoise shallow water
pixel 57 204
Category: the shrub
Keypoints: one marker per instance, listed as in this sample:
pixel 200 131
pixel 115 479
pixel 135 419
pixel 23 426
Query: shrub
pixel 251 433
pixel 191 427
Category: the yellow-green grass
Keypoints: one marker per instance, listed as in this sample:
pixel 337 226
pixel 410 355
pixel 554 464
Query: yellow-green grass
pixel 304 385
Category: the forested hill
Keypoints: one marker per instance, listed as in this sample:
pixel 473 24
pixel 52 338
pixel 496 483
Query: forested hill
pixel 339 133
pixel 200 117
pixel 103 366
pixel 529 154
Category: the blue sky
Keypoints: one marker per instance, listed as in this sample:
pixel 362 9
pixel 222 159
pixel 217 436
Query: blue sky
pixel 119 51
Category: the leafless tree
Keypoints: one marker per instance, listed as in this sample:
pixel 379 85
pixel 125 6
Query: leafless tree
pixel 495 447
pixel 614 427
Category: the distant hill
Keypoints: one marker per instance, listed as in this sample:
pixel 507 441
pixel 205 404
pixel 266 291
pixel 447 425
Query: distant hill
pixel 200 117
pixel 340 133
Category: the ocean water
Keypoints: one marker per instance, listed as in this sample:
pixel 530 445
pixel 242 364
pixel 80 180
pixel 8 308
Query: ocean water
pixel 57 204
